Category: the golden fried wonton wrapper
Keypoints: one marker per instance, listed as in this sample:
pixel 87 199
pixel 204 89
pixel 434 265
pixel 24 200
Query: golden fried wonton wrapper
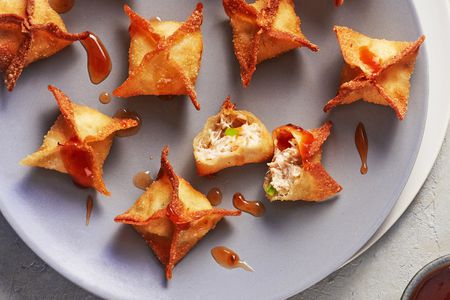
pixel 164 56
pixel 29 30
pixel 296 172
pixel 78 143
pixel 263 30
pixel 172 216
pixel 231 138
pixel 377 71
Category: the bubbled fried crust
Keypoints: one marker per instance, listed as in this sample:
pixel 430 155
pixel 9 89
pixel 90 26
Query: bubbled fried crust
pixel 172 216
pixel 314 183
pixel 21 29
pixel 385 85
pixel 158 73
pixel 242 154
pixel 257 36
pixel 67 128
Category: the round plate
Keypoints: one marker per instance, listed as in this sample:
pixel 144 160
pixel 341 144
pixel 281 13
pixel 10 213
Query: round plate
pixel 295 244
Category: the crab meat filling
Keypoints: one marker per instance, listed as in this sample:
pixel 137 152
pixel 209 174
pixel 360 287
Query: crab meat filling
pixel 284 169
pixel 230 133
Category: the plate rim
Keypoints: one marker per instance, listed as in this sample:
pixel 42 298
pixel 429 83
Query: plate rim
pixel 427 151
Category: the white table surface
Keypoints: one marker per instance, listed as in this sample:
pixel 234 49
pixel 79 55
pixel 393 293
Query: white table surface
pixel 422 234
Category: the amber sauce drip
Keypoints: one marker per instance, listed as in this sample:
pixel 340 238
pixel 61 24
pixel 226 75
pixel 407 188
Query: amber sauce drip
pixel 128 114
pixel 255 208
pixel 142 180
pixel 362 144
pixel 78 163
pixel 99 62
pixel 229 259
pixel 434 286
pixel 89 207
pixel 369 58
pixel 214 196
pixel 104 98
pixel 61 6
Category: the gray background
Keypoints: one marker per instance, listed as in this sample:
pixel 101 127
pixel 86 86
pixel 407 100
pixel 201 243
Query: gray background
pixel 422 234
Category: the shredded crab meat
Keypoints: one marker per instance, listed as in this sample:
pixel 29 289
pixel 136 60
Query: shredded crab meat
pixel 217 143
pixel 284 169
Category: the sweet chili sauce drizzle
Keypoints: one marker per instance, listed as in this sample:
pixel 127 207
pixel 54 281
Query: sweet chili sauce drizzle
pixel 214 196
pixel 61 6
pixel 142 180
pixel 78 163
pixel 229 259
pixel 434 286
pixel 128 114
pixel 89 207
pixel 255 208
pixel 104 98
pixel 99 62
pixel 362 144
pixel 369 58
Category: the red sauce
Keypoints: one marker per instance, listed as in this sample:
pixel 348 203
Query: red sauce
pixel 229 259
pixel 369 58
pixel 104 98
pixel 89 207
pixel 434 286
pixel 255 208
pixel 99 62
pixel 338 2
pixel 362 144
pixel 142 180
pixel 214 196
pixel 78 163
pixel 61 6
pixel 283 139
pixel 128 114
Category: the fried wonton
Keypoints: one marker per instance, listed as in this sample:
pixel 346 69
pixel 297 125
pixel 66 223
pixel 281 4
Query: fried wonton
pixel 172 216
pixel 263 30
pixel 164 56
pixel 296 172
pixel 29 30
pixel 231 138
pixel 78 143
pixel 377 71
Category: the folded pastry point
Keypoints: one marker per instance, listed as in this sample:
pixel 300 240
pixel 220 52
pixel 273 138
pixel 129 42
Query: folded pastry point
pixel 296 172
pixel 263 30
pixel 376 71
pixel 172 216
pixel 164 56
pixel 29 30
pixel 78 142
pixel 231 138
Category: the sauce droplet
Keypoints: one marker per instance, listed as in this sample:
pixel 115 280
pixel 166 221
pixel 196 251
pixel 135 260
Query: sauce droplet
pixel 104 98
pixel 89 207
pixel 142 180
pixel 362 144
pixel 255 208
pixel 128 114
pixel 99 62
pixel 229 259
pixel 214 196
pixel 61 6
pixel 434 286
pixel 78 163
